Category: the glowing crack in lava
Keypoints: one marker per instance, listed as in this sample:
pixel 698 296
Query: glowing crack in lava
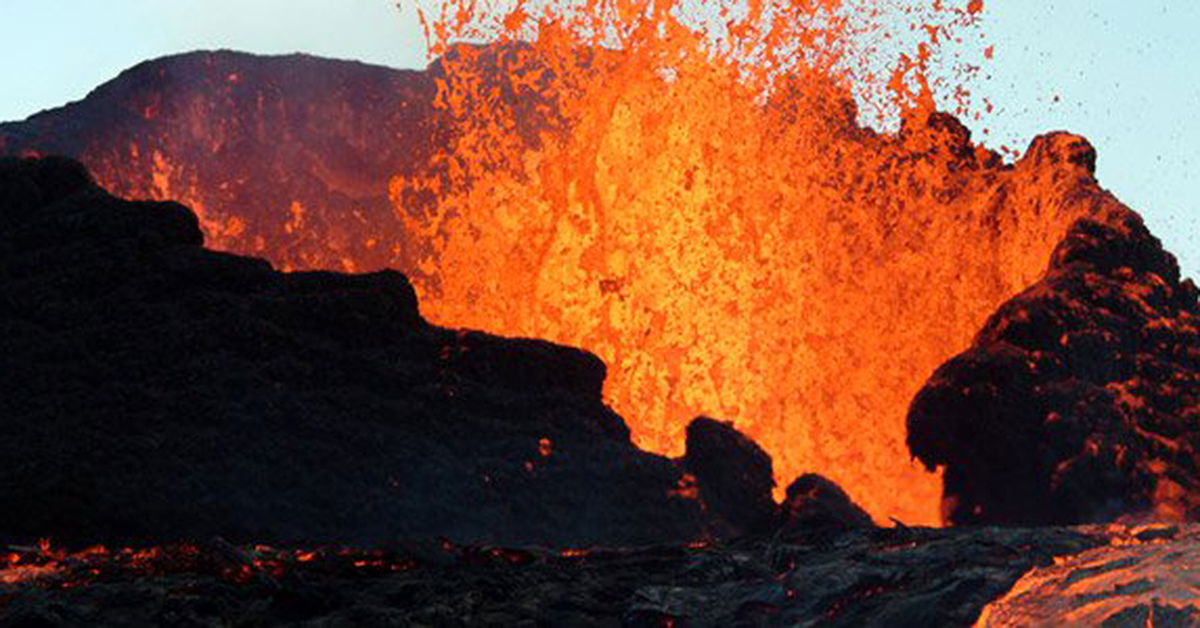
pixel 704 211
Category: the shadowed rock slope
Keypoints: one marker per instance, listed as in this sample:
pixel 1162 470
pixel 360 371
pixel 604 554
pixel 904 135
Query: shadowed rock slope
pixel 285 157
pixel 280 156
pixel 151 389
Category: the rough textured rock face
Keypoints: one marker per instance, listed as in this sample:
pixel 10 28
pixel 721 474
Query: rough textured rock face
pixel 287 157
pixel 151 389
pixel 733 475
pixel 1078 400
pixel 815 506
pixel 878 577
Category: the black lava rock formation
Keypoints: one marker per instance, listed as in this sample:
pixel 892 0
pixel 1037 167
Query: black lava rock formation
pixel 734 477
pixel 151 389
pixel 1078 401
pixel 815 507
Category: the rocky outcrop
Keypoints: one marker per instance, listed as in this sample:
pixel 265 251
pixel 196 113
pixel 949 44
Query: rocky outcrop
pixel 151 389
pixel 815 507
pixel 1078 400
pixel 734 478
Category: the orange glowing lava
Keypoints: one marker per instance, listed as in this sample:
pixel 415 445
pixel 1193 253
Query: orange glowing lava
pixel 709 217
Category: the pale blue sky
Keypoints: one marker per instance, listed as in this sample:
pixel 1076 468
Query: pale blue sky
pixel 1121 72
pixel 55 51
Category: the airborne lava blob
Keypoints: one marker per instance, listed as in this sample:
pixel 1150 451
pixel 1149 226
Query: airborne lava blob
pixel 699 204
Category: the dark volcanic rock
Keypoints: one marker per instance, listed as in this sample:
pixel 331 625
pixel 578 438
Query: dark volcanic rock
pixel 733 475
pixel 152 389
pixel 815 506
pixel 878 577
pixel 1078 400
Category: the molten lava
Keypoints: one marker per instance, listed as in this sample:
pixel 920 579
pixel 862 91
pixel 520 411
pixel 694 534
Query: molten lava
pixel 707 215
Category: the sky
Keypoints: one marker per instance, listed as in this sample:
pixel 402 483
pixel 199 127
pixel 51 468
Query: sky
pixel 1120 72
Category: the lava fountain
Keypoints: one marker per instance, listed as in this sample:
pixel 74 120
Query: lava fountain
pixel 700 205
pixel 749 210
